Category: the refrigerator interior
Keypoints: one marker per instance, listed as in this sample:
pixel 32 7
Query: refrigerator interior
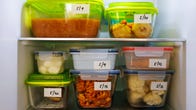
pixel 167 29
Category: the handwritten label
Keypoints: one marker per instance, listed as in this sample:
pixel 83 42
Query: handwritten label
pixel 157 63
pixel 102 65
pixel 78 8
pixel 158 86
pixel 142 18
pixel 102 85
pixel 52 92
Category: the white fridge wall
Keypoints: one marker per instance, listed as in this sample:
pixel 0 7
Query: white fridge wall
pixel 8 75
pixel 180 20
pixel 191 53
pixel 9 32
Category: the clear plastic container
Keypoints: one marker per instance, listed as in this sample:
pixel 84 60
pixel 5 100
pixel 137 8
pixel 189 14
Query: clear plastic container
pixel 64 18
pixel 94 89
pixel 94 59
pixel 50 62
pixel 147 88
pixel 148 58
pixel 48 91
pixel 131 19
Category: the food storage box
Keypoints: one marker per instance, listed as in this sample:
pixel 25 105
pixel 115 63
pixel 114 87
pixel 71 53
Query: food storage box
pixel 131 19
pixel 148 58
pixel 48 91
pixel 64 18
pixel 94 89
pixel 94 59
pixel 50 62
pixel 147 88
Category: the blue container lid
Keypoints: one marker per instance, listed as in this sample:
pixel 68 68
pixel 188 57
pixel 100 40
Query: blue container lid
pixel 94 74
pixel 94 50
pixel 110 72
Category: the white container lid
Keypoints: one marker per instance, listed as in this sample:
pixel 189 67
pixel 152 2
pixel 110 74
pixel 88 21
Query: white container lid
pixel 148 51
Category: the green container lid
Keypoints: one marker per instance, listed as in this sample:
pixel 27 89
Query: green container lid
pixel 35 79
pixel 121 6
pixel 58 6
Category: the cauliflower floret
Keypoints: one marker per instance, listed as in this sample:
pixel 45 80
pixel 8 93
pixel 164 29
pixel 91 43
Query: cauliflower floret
pixel 152 99
pixel 158 92
pixel 57 63
pixel 53 70
pixel 135 97
pixel 135 84
pixel 47 64
pixel 43 69
pixel 51 66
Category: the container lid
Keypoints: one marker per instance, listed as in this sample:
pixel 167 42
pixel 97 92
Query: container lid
pixel 147 49
pixel 57 6
pixel 148 72
pixel 94 51
pixel 50 53
pixel 94 74
pixel 149 75
pixel 48 80
pixel 112 72
pixel 116 6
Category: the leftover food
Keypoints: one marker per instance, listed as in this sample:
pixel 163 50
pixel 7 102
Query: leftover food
pixel 50 64
pixel 131 30
pixel 90 98
pixel 140 92
pixel 65 28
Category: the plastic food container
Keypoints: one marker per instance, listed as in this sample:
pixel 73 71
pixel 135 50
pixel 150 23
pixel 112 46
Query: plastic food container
pixel 148 58
pixel 48 91
pixel 131 19
pixel 147 88
pixel 94 89
pixel 50 62
pixel 94 59
pixel 64 18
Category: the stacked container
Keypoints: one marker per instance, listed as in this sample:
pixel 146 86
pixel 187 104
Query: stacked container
pixel 147 88
pixel 50 62
pixel 94 59
pixel 48 86
pixel 94 76
pixel 147 75
pixel 131 19
pixel 94 89
pixel 148 58
pixel 64 18
pixel 48 91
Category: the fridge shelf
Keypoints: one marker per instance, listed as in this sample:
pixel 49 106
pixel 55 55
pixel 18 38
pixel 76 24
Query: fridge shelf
pixel 100 42
pixel 106 39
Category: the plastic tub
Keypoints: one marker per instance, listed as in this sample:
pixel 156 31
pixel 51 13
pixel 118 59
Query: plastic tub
pixel 147 88
pixel 48 91
pixel 94 89
pixel 148 58
pixel 131 19
pixel 94 59
pixel 50 62
pixel 64 18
